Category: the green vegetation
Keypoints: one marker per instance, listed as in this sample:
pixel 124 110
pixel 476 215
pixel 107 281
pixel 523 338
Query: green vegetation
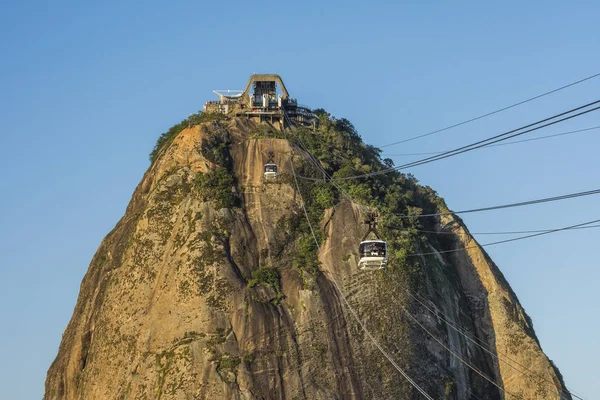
pixel 324 196
pixel 174 186
pixel 167 137
pixel 228 362
pixel 449 389
pixel 210 284
pixel 267 131
pixel 217 185
pixel 264 276
pixel 317 196
pixel 194 334
pixel 268 277
pixel 248 357
pixel 320 349
pixel 215 147
pixel 188 337
pixel 168 365
pixel 227 367
pixel 219 337
pixel 305 258
pixel 164 361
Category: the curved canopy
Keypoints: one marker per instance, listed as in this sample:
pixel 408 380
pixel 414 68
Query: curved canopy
pixel 237 94
pixel 265 78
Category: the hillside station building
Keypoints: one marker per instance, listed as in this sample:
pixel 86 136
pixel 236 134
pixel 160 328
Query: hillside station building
pixel 265 99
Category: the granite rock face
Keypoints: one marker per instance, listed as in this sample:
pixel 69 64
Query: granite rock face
pixel 172 305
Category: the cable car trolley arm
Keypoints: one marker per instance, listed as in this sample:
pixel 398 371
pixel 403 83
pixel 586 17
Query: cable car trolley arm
pixel 372 222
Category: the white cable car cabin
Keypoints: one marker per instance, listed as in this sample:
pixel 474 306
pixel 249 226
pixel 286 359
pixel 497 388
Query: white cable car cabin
pixel 373 253
pixel 270 170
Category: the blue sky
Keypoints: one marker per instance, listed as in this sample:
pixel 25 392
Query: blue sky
pixel 85 90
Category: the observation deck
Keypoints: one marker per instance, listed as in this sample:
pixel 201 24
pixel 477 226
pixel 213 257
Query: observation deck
pixel 265 99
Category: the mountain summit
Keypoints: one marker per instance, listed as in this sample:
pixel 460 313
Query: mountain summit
pixel 219 283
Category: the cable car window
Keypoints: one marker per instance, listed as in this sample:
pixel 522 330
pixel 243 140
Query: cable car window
pixel 372 249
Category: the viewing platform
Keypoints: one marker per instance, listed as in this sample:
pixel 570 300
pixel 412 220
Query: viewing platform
pixel 265 99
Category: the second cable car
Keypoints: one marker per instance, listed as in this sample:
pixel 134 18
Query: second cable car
pixel 373 253
pixel 270 170
pixel 270 166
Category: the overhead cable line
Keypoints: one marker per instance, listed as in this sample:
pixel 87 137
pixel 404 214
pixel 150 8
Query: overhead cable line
pixel 491 113
pixel 457 356
pixel 482 143
pixel 510 134
pixel 498 144
pixel 352 311
pixel 503 241
pixel 477 341
pixel 453 353
pixel 500 232
pixel 510 205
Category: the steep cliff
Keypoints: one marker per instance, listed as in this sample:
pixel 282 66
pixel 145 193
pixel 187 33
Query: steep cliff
pixel 212 287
